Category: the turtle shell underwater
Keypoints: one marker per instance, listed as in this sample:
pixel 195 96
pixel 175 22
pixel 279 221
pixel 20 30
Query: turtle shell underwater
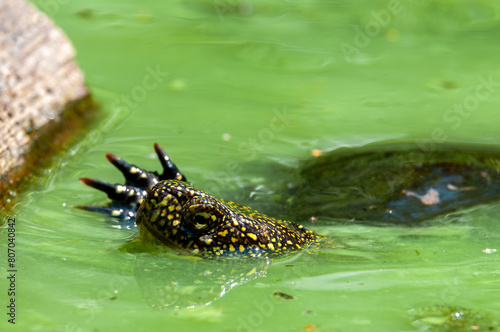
pixel 381 183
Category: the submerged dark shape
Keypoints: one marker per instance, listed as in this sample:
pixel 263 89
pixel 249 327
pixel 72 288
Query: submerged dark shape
pixel 169 211
pixel 381 183
pixel 396 183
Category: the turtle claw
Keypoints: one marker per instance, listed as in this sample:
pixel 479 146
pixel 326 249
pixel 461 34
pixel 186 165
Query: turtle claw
pixel 133 174
pixel 125 194
pixel 170 171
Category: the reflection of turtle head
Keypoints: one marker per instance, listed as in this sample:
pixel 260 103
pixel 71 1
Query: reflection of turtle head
pixel 187 219
pixel 171 282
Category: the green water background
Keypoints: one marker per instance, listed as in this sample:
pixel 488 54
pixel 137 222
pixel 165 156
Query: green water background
pixel 222 83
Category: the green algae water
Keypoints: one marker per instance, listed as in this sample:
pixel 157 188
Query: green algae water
pixel 222 85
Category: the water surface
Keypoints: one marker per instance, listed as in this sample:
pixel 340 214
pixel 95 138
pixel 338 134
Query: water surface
pixel 224 84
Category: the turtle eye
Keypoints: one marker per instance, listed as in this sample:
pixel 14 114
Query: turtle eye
pixel 202 217
pixel 202 220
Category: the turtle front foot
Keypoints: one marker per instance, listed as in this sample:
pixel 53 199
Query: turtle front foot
pixel 126 198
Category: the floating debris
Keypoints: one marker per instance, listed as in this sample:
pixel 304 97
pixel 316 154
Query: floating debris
pixel 285 296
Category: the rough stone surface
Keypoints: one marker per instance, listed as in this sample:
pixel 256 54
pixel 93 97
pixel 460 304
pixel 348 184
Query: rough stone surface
pixel 38 80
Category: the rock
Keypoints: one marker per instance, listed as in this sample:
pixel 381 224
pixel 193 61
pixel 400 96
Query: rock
pixel 43 99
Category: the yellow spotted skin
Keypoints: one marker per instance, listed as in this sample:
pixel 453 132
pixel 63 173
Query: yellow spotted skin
pixel 189 220
pixel 169 211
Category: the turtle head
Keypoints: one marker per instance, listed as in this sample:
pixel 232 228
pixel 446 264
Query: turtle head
pixel 183 217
